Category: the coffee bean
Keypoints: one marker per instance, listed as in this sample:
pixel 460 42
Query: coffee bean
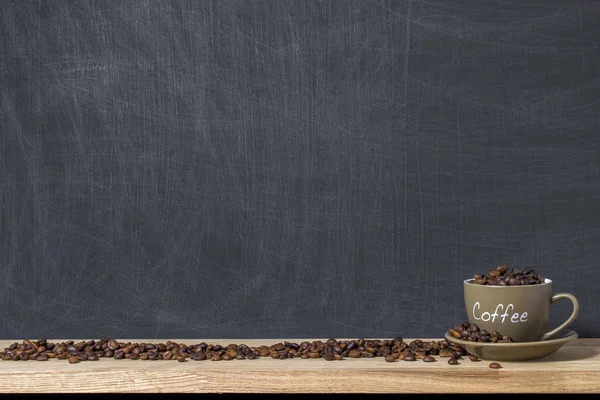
pixel 119 354
pixel 502 269
pixel 410 357
pixel 180 358
pixel 455 333
pixel 92 357
pixel 354 354
pixel 453 361
pixel 72 349
pixel 74 360
pixel 495 365
pixel 390 358
pixel 42 357
pixel 429 359
pixel 473 358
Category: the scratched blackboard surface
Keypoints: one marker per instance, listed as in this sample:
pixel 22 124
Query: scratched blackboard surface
pixel 267 169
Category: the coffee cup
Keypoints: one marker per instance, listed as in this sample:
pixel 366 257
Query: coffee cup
pixel 520 312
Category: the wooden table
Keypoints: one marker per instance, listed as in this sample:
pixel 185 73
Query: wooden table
pixel 575 368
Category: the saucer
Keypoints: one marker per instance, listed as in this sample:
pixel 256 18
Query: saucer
pixel 516 351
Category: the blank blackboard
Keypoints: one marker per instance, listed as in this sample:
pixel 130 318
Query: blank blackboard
pixel 289 169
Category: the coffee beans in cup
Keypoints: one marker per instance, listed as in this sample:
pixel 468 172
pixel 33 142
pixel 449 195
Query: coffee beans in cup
pixel 506 276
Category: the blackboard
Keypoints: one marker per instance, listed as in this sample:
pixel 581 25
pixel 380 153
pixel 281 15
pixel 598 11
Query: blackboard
pixel 289 169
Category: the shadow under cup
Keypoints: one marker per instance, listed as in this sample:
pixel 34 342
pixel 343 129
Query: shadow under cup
pixel 520 312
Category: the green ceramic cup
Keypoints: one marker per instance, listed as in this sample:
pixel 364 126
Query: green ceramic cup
pixel 520 312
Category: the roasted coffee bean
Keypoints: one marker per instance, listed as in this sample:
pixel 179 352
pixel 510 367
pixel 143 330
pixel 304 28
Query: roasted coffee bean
pixel 453 361
pixel 119 354
pixel 180 358
pixel 226 357
pixel 502 269
pixel 42 357
pixel 74 360
pixel 495 365
pixel 410 357
pixel 92 357
pixel 390 358
pixel 474 358
pixel 354 354
pixel 428 359
pixel 72 349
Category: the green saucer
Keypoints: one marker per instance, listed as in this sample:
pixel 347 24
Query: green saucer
pixel 516 351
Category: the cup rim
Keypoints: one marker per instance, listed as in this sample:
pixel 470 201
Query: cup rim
pixel 469 282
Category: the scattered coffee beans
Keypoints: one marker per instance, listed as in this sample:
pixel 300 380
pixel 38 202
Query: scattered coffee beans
pixel 471 333
pixel 495 365
pixel 505 276
pixel 390 350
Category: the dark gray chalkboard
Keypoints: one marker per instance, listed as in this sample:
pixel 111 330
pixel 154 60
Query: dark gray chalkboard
pixel 291 168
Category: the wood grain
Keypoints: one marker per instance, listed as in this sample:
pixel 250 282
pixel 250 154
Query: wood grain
pixel 573 369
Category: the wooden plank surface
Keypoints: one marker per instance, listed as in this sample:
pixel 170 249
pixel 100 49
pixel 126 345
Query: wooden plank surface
pixel 575 368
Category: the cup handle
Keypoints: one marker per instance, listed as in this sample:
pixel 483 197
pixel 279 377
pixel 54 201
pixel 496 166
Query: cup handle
pixel 568 322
